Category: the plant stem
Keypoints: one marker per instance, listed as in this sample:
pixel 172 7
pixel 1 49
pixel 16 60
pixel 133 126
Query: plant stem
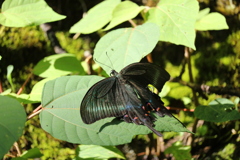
pixel 24 84
pixel 132 23
pixel 187 55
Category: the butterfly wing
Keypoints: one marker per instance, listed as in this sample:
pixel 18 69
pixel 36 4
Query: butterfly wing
pixel 140 75
pixel 144 74
pixel 103 99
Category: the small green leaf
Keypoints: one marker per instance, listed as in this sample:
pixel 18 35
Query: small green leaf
pixel 58 65
pixel 165 90
pixel 61 116
pixel 122 47
pixel 21 13
pixel 211 21
pixel 219 110
pixel 9 76
pixel 179 151
pixel 32 153
pixel 96 18
pixel 176 20
pixel 124 11
pixel 97 152
pixel 12 120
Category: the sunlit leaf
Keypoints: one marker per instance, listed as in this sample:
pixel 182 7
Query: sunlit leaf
pixel 21 13
pixel 211 21
pixel 22 98
pixel 61 116
pixel 176 20
pixel 122 47
pixel 96 18
pixel 12 120
pixel 98 152
pixel 58 65
pixel 124 11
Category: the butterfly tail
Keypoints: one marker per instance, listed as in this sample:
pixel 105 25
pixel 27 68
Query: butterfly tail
pixel 149 125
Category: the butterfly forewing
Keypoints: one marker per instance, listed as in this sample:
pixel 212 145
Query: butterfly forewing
pixel 104 99
pixel 144 74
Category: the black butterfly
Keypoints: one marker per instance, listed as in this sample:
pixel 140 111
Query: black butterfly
pixel 126 95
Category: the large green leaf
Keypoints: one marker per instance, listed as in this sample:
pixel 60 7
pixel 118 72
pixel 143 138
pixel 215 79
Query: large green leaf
pixel 211 21
pixel 219 110
pixel 21 13
pixel 12 120
pixel 96 18
pixel 122 47
pixel 97 152
pixel 61 116
pixel 124 11
pixel 176 20
pixel 58 65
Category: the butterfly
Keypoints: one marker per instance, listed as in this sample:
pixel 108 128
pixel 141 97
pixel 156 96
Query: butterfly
pixel 127 95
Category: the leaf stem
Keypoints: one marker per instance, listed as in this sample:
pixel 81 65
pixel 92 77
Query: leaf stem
pixel 132 23
pixel 35 112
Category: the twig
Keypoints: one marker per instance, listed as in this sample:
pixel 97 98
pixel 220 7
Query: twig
pixel 35 112
pixel 182 109
pixel 203 88
pixel 1 89
pixel 24 84
pixel 183 68
pixel 187 55
pixel 47 28
pixel 132 23
pixel 17 148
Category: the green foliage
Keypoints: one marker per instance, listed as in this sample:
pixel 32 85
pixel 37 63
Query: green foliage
pixel 219 110
pixel 216 62
pixel 27 12
pixel 179 151
pixel 125 46
pixel 12 119
pixel 97 152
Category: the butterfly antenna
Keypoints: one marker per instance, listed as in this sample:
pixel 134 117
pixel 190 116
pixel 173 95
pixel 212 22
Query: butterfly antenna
pixel 102 63
pixel 109 59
